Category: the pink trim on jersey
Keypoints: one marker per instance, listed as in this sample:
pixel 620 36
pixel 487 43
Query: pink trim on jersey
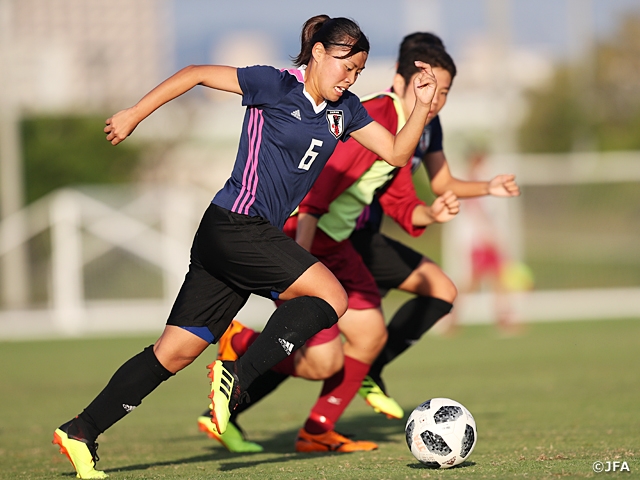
pixel 250 175
pixel 296 73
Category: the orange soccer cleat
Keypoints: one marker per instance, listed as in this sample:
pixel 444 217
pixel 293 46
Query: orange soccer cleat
pixel 330 441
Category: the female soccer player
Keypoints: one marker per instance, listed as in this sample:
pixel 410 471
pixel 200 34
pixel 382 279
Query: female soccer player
pixel 292 125
pixel 396 266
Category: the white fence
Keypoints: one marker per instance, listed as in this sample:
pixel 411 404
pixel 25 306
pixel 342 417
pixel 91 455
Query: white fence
pixel 153 224
pixel 157 225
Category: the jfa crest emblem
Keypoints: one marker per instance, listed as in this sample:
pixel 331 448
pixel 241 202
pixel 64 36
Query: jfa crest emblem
pixel 336 122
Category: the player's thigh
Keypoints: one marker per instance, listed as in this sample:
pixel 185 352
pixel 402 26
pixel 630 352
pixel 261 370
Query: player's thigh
pixel 318 281
pixel 349 269
pixel 389 261
pixel 428 279
pixel 251 255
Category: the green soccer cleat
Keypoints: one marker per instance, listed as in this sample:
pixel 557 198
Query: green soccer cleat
pixel 83 456
pixel 378 400
pixel 233 439
pixel 225 393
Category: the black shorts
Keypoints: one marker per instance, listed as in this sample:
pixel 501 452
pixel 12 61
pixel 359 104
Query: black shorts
pixel 233 256
pixel 390 261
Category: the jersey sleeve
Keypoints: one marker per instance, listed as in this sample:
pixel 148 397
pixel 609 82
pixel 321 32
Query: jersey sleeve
pixel 261 85
pixel 399 200
pixel 359 117
pixel 435 142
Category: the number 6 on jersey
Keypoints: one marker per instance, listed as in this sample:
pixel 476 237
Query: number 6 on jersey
pixel 310 155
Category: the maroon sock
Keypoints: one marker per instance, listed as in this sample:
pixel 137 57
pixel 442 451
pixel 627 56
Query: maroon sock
pixel 337 391
pixel 241 340
pixel 286 366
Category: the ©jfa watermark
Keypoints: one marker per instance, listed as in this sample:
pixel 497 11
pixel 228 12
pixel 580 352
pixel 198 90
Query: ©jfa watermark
pixel 615 466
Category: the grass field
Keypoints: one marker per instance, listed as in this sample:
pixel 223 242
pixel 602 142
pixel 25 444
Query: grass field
pixel 548 404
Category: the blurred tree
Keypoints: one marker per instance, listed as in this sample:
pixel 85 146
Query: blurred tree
pixel 67 150
pixel 590 106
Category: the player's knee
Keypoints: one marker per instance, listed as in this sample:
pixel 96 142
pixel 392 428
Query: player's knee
pixel 339 301
pixel 381 340
pixel 327 368
pixel 450 292
pixel 370 342
pixel 444 290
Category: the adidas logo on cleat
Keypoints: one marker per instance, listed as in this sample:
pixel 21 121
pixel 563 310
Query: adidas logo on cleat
pixel 226 381
pixel 288 346
pixel 128 408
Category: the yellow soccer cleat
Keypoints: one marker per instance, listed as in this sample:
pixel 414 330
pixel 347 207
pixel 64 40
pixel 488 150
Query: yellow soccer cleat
pixel 225 393
pixel 233 439
pixel 83 456
pixel 378 400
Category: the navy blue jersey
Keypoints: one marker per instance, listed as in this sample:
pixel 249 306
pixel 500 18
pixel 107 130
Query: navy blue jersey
pixel 430 141
pixel 286 141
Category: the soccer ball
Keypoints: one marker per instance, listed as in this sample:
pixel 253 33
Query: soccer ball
pixel 441 433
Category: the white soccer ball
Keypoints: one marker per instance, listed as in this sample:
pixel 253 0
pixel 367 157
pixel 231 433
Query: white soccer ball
pixel 441 433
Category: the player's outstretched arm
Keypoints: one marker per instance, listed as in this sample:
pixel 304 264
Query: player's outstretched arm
pixel 442 180
pixel 504 186
pixel 398 150
pixel 306 230
pixel 119 126
pixel 443 209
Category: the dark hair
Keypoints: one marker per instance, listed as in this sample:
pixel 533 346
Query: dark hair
pixel 433 54
pixel 331 32
pixel 419 38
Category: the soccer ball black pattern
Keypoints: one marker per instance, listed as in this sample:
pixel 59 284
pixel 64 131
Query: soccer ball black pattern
pixel 441 433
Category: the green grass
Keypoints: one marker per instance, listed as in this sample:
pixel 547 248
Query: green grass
pixel 548 404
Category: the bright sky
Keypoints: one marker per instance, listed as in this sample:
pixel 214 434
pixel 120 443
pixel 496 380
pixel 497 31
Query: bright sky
pixel 542 25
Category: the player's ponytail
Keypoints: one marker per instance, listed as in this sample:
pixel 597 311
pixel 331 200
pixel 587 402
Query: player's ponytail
pixel 331 32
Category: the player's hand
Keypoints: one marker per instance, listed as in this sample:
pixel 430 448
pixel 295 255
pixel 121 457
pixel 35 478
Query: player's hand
pixel 445 207
pixel 120 126
pixel 504 186
pixel 424 84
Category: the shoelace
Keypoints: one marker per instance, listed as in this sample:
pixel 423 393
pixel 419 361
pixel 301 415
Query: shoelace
pixel 93 449
pixel 242 398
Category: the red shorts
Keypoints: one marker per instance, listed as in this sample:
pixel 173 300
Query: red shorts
pixel 485 259
pixel 346 264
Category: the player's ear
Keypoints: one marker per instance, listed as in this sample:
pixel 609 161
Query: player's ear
pixel 399 85
pixel 318 51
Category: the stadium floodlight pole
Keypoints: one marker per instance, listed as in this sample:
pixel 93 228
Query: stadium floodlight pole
pixel 15 264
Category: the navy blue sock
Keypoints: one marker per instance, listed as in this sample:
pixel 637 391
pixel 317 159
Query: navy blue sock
pixel 406 327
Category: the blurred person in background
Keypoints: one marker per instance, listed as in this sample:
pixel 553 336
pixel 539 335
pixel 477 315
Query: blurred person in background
pixel 293 122
pixel 491 267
